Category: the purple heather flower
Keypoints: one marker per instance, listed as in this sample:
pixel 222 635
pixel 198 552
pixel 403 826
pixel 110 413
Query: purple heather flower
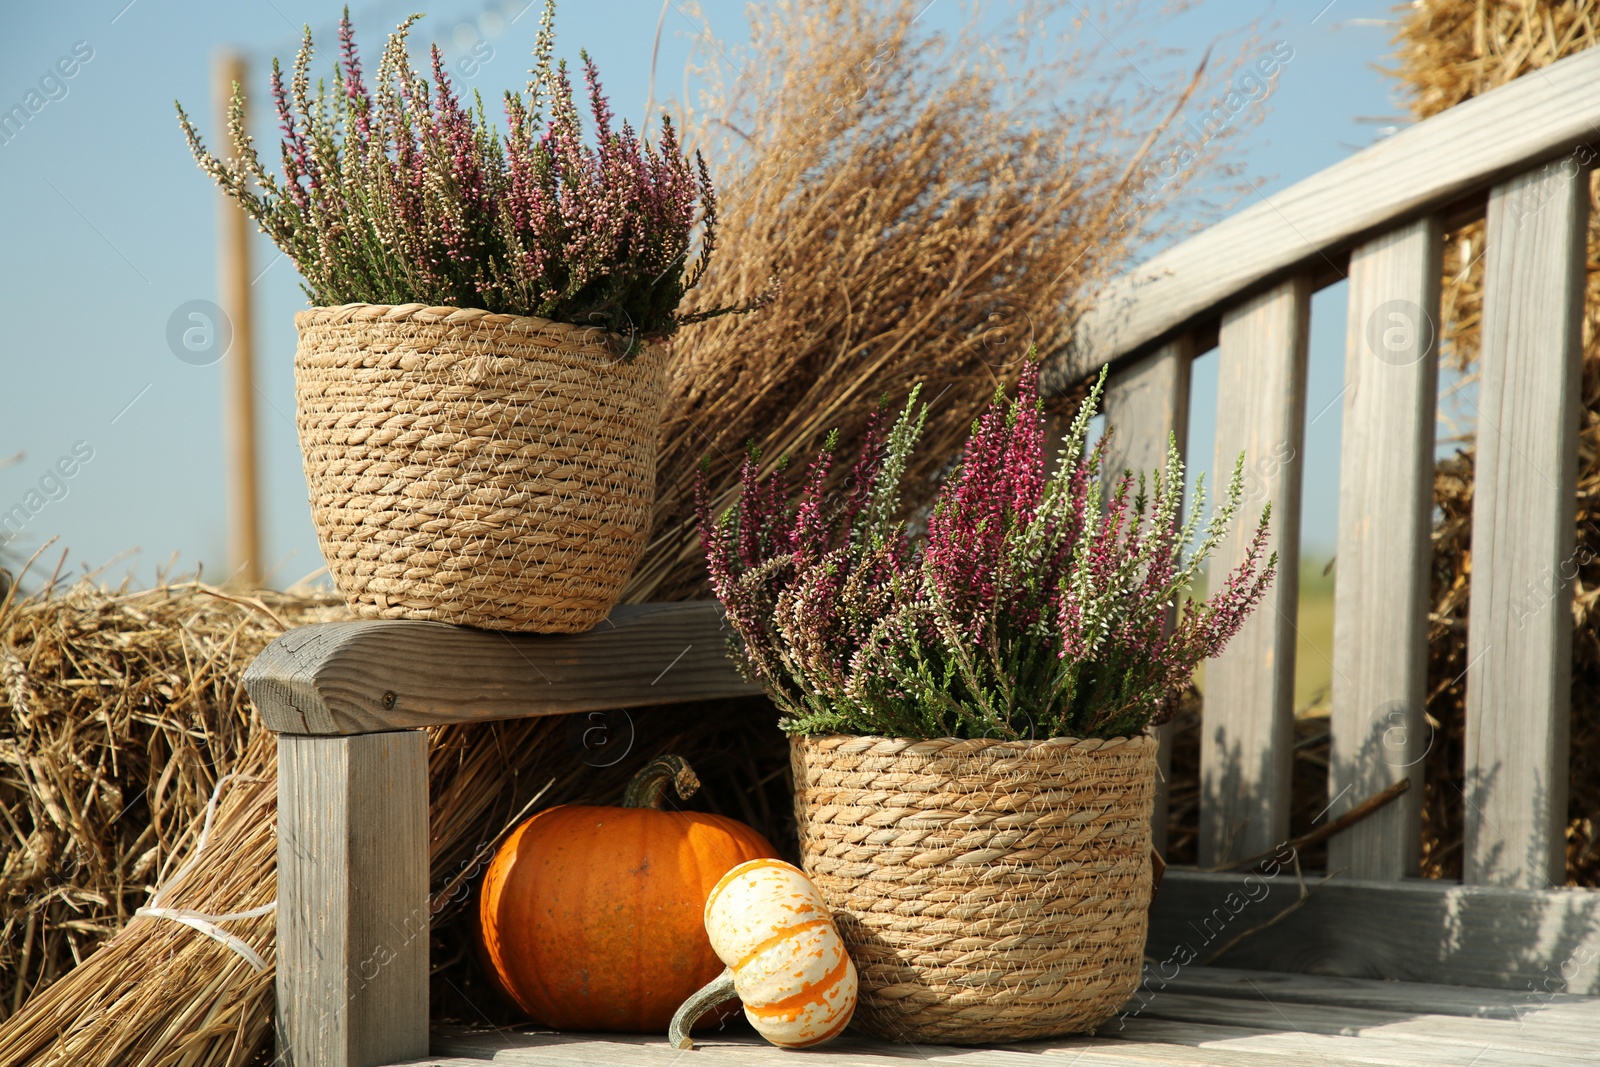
pixel 1028 594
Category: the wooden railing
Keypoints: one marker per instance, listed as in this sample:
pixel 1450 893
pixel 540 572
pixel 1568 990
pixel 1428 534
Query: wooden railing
pixel 1520 156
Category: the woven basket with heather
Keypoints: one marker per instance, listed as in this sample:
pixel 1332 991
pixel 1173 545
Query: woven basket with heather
pixel 490 470
pixel 969 708
pixel 478 394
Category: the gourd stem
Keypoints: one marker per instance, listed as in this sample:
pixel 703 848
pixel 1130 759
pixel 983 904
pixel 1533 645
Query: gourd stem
pixel 707 997
pixel 649 787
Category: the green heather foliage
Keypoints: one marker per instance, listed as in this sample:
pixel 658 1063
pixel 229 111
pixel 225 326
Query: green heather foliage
pixel 1032 606
pixel 404 193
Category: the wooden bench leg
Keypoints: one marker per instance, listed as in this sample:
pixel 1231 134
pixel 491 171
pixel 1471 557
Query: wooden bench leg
pixel 353 919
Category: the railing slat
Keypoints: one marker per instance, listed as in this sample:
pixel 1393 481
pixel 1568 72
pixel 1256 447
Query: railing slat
pixel 1380 621
pixel 1248 723
pixel 1520 623
pixel 1147 403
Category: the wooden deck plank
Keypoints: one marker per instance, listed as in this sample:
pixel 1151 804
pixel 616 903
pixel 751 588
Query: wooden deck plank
pixel 1423 998
pixel 539 1050
pixel 1203 1017
pixel 1145 1051
pixel 1410 930
pixel 1143 1041
pixel 368 677
pixel 1247 724
pixel 530 1049
pixel 1533 1034
pixel 1380 618
pixel 1417 171
pixel 1284 1040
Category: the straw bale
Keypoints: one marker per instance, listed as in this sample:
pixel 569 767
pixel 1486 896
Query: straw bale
pixel 119 712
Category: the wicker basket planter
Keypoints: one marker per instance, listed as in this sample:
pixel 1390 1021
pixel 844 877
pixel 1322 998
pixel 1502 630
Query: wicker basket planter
pixel 466 467
pixel 987 890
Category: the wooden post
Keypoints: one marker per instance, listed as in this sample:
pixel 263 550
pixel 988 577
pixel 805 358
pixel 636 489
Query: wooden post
pixel 238 366
pixel 353 917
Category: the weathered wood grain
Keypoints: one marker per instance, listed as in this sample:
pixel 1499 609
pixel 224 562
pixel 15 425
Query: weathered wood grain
pixel 1264 1013
pixel 1300 1047
pixel 742 1048
pixel 353 918
pixel 1460 151
pixel 1546 941
pixel 1199 1017
pixel 367 677
pixel 1413 998
pixel 1380 621
pixel 1519 627
pixel 1222 1033
pixel 1247 725
pixel 1147 405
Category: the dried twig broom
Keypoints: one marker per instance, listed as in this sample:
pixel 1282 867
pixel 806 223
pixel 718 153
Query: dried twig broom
pixel 932 207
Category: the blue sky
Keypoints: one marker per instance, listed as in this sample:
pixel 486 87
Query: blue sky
pixel 108 229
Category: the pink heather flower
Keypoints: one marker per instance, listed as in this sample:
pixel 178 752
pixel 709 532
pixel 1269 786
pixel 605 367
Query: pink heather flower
pixel 399 191
pixel 1034 604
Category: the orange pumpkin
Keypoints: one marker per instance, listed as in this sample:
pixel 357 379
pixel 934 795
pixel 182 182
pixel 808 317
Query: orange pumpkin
pixel 591 917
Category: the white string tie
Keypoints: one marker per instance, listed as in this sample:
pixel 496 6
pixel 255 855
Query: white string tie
pixel 199 920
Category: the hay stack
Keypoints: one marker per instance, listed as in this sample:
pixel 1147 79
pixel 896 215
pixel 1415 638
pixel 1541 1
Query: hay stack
pixel 119 712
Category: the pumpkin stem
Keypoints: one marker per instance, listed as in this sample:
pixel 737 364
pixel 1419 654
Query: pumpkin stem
pixel 649 787
pixel 719 989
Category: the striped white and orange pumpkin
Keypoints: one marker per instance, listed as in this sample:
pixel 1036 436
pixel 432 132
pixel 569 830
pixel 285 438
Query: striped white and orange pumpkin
pixel 786 961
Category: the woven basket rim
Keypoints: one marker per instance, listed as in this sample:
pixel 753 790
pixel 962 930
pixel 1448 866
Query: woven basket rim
pixel 913 746
pixel 439 314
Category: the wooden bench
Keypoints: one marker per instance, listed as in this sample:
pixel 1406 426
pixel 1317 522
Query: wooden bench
pixel 349 699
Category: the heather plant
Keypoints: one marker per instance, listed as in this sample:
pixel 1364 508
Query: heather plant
pixel 1032 605
pixel 403 191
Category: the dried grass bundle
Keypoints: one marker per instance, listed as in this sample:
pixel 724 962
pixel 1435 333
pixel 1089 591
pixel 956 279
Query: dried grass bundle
pixel 160 993
pixel 931 206
pixel 1449 51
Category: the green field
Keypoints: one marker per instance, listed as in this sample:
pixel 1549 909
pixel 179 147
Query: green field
pixel 1313 654
pixel 1313 671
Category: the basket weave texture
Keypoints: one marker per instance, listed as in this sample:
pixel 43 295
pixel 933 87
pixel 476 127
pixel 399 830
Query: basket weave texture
pixel 467 467
pixel 986 890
